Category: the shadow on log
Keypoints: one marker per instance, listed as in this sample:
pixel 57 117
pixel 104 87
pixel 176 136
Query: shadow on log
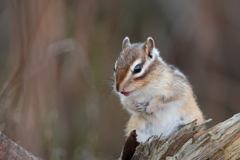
pixel 221 142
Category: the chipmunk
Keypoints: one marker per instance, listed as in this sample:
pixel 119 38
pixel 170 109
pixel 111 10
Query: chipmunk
pixel 157 94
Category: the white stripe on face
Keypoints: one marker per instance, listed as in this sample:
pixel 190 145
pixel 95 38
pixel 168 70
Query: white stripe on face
pixel 115 66
pixel 138 61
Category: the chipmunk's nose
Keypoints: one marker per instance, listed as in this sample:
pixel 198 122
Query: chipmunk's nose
pixel 117 87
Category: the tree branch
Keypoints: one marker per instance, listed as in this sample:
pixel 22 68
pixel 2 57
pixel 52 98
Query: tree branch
pixel 219 142
pixel 10 150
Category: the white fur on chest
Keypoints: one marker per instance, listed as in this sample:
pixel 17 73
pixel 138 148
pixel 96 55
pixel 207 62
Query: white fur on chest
pixel 163 122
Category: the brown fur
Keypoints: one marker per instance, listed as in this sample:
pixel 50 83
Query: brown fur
pixel 125 60
pixel 160 83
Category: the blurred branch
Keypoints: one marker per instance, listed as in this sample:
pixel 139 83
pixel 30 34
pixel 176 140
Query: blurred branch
pixel 27 113
pixel 10 150
pixel 25 51
pixel 219 142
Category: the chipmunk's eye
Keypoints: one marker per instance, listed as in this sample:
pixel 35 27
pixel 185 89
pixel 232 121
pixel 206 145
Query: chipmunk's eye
pixel 137 68
pixel 114 69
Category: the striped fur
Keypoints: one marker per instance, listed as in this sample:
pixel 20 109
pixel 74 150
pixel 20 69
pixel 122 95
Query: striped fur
pixel 160 98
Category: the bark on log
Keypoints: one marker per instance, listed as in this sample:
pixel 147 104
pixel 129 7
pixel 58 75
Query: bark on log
pixel 221 142
pixel 10 150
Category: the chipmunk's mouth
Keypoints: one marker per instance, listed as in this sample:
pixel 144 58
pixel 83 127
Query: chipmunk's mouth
pixel 126 93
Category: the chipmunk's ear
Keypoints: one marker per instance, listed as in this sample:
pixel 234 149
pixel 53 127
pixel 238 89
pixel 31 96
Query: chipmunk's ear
pixel 126 43
pixel 148 46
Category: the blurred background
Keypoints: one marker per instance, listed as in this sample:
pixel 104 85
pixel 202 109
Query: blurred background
pixel 57 58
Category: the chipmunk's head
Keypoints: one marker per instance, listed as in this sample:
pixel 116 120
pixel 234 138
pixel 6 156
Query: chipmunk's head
pixel 135 66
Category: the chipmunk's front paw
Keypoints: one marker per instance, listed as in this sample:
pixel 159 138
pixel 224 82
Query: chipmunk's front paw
pixel 150 110
pixel 152 107
pixel 140 107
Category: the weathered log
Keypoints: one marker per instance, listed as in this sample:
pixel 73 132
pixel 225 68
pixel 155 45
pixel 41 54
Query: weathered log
pixel 9 150
pixel 221 142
